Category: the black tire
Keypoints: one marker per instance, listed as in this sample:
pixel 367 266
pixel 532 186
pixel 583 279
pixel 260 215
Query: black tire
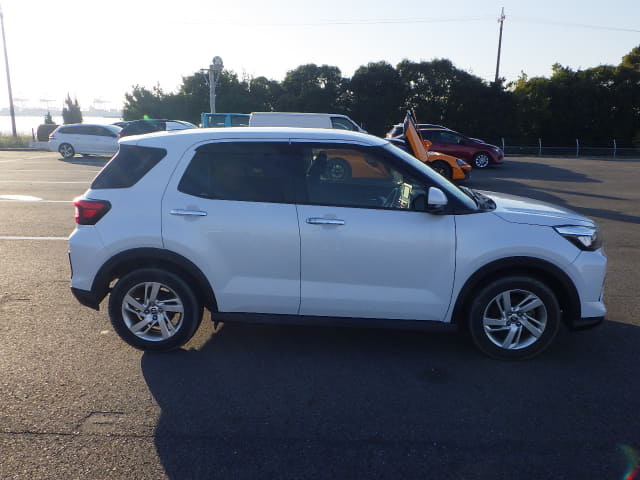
pixel 66 150
pixel 159 304
pixel 481 160
pixel 443 168
pixel 514 317
pixel 338 169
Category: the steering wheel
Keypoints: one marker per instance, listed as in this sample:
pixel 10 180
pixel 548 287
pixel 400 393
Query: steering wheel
pixel 393 198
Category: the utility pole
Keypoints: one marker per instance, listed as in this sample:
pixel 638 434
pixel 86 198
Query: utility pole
pixel 6 62
pixel 215 69
pixel 501 22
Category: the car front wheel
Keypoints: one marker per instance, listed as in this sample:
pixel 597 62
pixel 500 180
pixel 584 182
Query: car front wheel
pixel 481 160
pixel 154 310
pixel 514 317
pixel 66 150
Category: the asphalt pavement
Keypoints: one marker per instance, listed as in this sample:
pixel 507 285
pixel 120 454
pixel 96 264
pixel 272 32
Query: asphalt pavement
pixel 251 401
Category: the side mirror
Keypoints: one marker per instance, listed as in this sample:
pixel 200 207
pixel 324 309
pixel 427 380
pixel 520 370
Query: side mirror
pixel 436 200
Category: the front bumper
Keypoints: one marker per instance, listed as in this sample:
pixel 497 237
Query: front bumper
pixel 586 323
pixel 87 298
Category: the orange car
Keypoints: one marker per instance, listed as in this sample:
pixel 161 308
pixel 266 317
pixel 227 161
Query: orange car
pixel 344 164
pixel 446 165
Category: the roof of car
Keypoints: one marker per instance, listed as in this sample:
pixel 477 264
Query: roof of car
pixel 191 136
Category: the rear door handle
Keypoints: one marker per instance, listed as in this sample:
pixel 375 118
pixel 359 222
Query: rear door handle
pixel 324 221
pixel 188 213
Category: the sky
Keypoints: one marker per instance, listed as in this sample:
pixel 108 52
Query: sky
pixel 97 51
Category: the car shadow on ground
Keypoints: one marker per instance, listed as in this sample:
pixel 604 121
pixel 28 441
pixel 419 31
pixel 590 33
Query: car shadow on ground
pixel 303 402
pixel 505 179
pixel 92 160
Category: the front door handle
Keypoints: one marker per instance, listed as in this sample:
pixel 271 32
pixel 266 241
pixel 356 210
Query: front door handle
pixel 188 213
pixel 324 221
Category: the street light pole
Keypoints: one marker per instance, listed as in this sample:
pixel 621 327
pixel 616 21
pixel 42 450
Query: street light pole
pixel 6 62
pixel 214 74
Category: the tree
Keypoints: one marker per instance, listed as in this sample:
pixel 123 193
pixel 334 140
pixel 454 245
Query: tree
pixel 310 88
pixel 632 59
pixel 376 94
pixel 142 102
pixel 71 112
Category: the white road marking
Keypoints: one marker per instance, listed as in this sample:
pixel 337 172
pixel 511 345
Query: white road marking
pixel 21 198
pixel 35 238
pixel 4 200
pixel 39 181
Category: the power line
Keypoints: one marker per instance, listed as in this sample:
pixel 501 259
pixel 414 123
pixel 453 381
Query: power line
pixel 409 21
pixel 571 24
pixel 324 23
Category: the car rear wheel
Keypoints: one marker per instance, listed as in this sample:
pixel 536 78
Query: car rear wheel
pixel 481 160
pixel 514 317
pixel 66 150
pixel 338 169
pixel 154 310
pixel 442 168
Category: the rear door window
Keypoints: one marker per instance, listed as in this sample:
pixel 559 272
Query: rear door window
pixel 241 171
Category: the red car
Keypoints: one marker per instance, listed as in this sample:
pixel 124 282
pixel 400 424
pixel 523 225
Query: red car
pixel 473 151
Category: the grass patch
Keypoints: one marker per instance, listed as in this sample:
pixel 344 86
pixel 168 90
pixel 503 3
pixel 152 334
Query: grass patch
pixel 9 141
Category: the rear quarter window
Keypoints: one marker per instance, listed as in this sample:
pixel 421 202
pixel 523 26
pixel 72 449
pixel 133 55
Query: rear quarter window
pixel 128 166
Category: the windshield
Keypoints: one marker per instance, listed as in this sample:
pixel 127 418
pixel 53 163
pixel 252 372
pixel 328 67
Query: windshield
pixel 464 197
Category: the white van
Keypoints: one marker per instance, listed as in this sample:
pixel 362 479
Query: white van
pixel 305 120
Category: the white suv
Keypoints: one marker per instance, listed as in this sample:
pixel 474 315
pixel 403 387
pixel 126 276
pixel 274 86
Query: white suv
pixel 85 139
pixel 250 224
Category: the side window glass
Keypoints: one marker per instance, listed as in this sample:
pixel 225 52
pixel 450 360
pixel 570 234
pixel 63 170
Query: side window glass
pixel 450 137
pixel 429 135
pixel 242 171
pixel 357 177
pixel 343 124
pixel 128 166
pixel 72 130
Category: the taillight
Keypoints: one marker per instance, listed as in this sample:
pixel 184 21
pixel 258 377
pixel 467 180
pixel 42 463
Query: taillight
pixel 88 212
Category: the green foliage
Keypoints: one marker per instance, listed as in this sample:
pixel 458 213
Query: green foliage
pixel 595 105
pixel 375 97
pixel 71 112
pixel 9 141
pixel 632 59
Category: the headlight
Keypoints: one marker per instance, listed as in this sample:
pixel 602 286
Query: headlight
pixel 462 163
pixel 585 238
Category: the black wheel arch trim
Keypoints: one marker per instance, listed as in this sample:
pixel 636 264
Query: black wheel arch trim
pixel 561 284
pixel 129 260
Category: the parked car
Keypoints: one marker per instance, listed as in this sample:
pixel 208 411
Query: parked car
pixel 398 129
pixel 245 223
pixel 476 152
pixel 472 150
pixel 449 167
pixel 306 120
pixel 210 120
pixel 84 139
pixel 139 127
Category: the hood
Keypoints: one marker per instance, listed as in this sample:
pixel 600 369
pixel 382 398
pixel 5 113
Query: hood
pixel 516 209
